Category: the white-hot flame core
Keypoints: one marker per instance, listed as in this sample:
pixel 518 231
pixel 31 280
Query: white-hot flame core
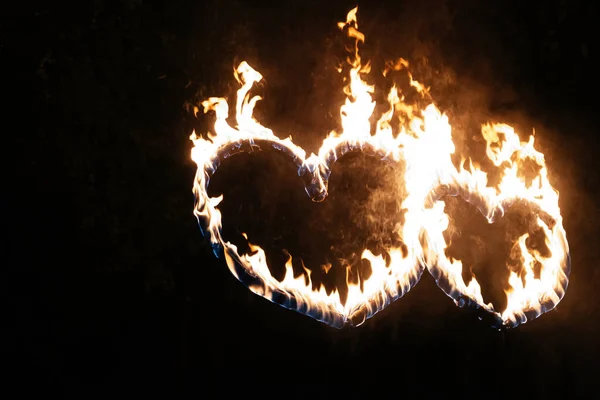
pixel 425 145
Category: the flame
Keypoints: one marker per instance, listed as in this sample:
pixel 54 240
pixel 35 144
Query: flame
pixel 424 143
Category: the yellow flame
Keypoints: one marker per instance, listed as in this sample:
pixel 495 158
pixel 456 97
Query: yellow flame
pixel 424 143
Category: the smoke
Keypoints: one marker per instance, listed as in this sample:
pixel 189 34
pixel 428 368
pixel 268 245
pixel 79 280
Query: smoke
pixel 469 73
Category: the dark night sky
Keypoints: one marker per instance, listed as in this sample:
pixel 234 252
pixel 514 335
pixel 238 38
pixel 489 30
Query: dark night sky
pixel 111 288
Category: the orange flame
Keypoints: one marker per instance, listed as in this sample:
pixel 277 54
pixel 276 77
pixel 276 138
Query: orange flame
pixel 425 145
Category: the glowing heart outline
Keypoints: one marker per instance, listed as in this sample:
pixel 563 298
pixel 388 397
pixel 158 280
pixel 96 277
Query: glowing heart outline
pixel 316 171
pixel 530 307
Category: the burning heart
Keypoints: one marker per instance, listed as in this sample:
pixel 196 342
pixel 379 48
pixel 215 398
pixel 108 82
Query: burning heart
pixel 538 279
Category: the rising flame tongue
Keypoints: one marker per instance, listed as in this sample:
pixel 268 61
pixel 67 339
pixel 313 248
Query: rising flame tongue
pixel 424 143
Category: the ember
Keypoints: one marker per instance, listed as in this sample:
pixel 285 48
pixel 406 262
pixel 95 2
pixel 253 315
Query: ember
pixel 424 144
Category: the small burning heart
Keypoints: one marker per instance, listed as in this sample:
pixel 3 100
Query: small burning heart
pixel 423 142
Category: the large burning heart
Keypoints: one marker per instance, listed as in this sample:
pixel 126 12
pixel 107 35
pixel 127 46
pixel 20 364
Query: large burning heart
pixel 423 143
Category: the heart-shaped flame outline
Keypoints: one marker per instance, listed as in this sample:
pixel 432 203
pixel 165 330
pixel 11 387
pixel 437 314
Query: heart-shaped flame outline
pixel 315 171
pixel 425 221
pixel 525 306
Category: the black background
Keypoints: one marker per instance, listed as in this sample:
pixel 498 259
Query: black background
pixel 111 288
